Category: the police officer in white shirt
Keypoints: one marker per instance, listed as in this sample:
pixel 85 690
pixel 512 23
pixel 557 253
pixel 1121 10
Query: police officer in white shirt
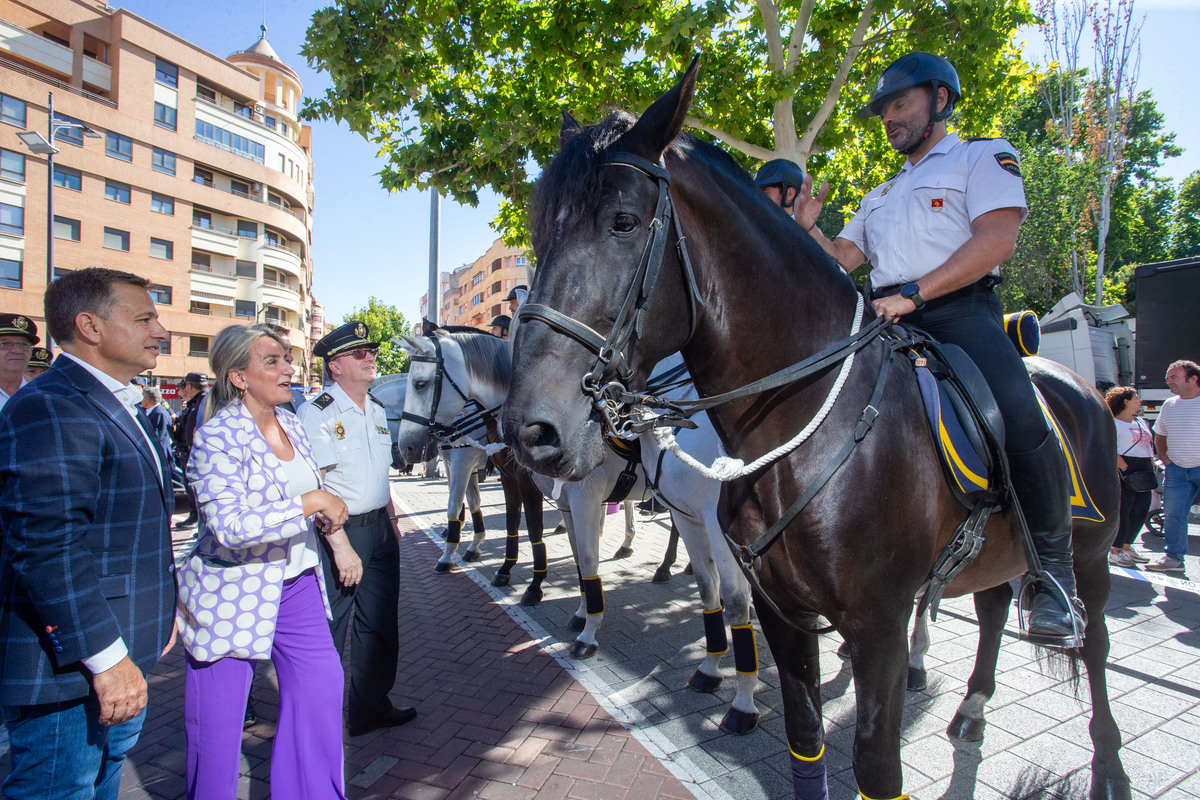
pixel 349 434
pixel 935 235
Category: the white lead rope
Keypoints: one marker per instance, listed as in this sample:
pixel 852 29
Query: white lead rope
pixel 726 468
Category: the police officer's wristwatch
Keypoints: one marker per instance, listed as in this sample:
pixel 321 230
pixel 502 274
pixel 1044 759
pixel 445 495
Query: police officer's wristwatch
pixel 911 291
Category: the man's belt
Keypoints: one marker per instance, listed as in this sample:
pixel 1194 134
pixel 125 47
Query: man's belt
pixel 986 283
pixel 362 520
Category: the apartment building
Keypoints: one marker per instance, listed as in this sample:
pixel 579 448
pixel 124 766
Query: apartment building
pixel 175 164
pixel 474 293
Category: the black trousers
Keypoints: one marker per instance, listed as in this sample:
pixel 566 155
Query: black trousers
pixel 1135 506
pixel 369 613
pixel 973 319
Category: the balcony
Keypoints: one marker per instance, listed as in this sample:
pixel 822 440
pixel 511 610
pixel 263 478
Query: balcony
pixel 214 239
pixel 229 107
pixel 281 257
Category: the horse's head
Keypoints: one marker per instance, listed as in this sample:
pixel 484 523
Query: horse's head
pixel 610 296
pixel 434 368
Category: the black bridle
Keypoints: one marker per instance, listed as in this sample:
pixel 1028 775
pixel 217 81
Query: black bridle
pixel 608 380
pixel 474 419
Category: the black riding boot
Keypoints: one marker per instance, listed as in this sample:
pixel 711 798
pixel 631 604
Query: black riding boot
pixel 1043 486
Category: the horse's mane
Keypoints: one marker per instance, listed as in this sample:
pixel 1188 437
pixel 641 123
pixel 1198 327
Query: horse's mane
pixel 485 356
pixel 571 181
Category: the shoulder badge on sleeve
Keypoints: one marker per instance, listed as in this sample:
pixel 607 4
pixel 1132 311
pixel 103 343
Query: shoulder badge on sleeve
pixel 376 400
pixel 981 138
pixel 323 401
pixel 1009 163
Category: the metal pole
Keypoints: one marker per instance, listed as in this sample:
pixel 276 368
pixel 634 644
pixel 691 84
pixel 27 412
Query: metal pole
pixel 435 225
pixel 50 193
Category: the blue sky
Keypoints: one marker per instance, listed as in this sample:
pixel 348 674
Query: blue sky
pixel 369 242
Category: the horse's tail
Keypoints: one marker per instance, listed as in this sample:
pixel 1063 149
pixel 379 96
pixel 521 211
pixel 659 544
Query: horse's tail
pixel 1034 782
pixel 1060 664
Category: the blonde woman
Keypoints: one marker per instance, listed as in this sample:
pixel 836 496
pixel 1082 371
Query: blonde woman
pixel 252 588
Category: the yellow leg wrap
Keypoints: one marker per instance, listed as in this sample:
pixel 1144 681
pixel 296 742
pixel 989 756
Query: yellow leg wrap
pixel 817 757
pixel 901 797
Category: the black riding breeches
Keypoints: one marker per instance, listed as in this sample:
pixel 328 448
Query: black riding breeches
pixel 975 322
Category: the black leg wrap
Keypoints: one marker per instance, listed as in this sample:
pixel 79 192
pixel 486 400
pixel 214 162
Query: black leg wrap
pixel 714 631
pixel 745 649
pixel 454 531
pixel 477 522
pixel 539 557
pixel 808 777
pixel 512 549
pixel 593 593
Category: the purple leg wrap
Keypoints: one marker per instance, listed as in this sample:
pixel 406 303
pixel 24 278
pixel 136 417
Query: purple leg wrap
pixel 808 778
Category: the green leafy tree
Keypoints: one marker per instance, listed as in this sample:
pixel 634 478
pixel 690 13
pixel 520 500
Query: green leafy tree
pixel 1185 228
pixel 384 323
pixel 465 95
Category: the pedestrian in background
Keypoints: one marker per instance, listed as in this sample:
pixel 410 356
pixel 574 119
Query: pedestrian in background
pixel 252 587
pixel 1135 461
pixel 39 361
pixel 159 416
pixel 85 559
pixel 1177 440
pixel 191 391
pixel 18 335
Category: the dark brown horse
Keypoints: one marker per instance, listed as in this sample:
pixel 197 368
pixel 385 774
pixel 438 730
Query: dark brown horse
pixel 860 550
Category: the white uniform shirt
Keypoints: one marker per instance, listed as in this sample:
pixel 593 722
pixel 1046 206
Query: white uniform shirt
pixel 1179 421
pixel 912 223
pixel 353 446
pixel 4 396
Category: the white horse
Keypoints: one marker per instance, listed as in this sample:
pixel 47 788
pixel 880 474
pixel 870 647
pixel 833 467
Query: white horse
pixel 451 367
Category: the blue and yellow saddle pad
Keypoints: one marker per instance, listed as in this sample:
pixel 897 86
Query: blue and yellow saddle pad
pixel 968 468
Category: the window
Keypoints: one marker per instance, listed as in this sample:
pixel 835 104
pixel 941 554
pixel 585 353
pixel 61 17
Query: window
pixel 166 72
pixel 477 299
pixel 519 261
pixel 68 178
pixel 201 219
pixel 241 109
pixel 247 229
pixel 201 261
pixel 116 240
pixel 164 347
pixel 12 219
pixel 10 273
pixel 72 133
pixel 244 308
pixel 161 248
pixel 160 294
pixel 163 161
pixel 204 176
pixel 270 121
pixel 475 281
pixel 272 238
pixel 239 188
pixel 66 228
pixel 114 190
pixel 161 203
pixel 246 269
pixel 118 146
pixel 233 142
pixel 199 308
pixel 12 110
pixel 60 271
pixel 198 345
pixel 164 116
pixel 12 165
pixel 206 93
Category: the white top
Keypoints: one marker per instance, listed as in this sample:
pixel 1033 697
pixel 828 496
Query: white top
pixel 352 445
pixel 5 395
pixel 912 223
pixel 302 549
pixel 1134 438
pixel 1179 422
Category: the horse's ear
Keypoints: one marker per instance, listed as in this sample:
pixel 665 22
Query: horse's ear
pixel 663 120
pixel 570 129
pixel 413 345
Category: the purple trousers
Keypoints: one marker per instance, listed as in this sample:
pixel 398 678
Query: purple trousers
pixel 306 757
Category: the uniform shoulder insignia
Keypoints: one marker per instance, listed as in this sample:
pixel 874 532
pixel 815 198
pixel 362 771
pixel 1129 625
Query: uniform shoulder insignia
pixel 1009 163
pixel 376 400
pixel 323 401
pixel 982 139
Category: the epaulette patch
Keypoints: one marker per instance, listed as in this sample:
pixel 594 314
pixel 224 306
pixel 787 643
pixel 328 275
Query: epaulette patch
pixel 1009 163
pixel 376 400
pixel 323 401
pixel 982 139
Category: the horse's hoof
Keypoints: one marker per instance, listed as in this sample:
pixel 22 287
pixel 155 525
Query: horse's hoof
pixel 582 650
pixel 623 552
pixel 501 579
pixel 739 722
pixel 661 575
pixel 843 651
pixel 703 683
pixel 966 729
pixel 532 597
pixel 442 567
pixel 471 555
pixel 688 569
pixel 576 624
pixel 916 679
pixel 560 528
pixel 1111 789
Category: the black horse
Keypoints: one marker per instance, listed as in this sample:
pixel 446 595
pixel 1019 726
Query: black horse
pixel 610 260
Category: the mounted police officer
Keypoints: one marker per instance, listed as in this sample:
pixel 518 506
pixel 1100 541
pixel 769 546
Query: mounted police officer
pixel 348 430
pixel 935 234
pixel 780 180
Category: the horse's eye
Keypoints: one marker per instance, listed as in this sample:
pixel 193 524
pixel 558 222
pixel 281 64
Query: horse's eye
pixel 420 385
pixel 624 223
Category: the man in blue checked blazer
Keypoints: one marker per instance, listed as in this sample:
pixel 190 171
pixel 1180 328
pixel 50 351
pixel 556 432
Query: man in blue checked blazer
pixel 86 576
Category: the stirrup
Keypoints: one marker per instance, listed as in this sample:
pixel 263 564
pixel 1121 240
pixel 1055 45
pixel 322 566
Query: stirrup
pixel 1024 606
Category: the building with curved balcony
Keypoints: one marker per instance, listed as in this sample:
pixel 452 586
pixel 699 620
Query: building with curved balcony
pixel 200 179
pixel 474 293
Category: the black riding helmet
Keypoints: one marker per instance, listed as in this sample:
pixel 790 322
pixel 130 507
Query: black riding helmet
pixel 783 173
pixel 915 69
